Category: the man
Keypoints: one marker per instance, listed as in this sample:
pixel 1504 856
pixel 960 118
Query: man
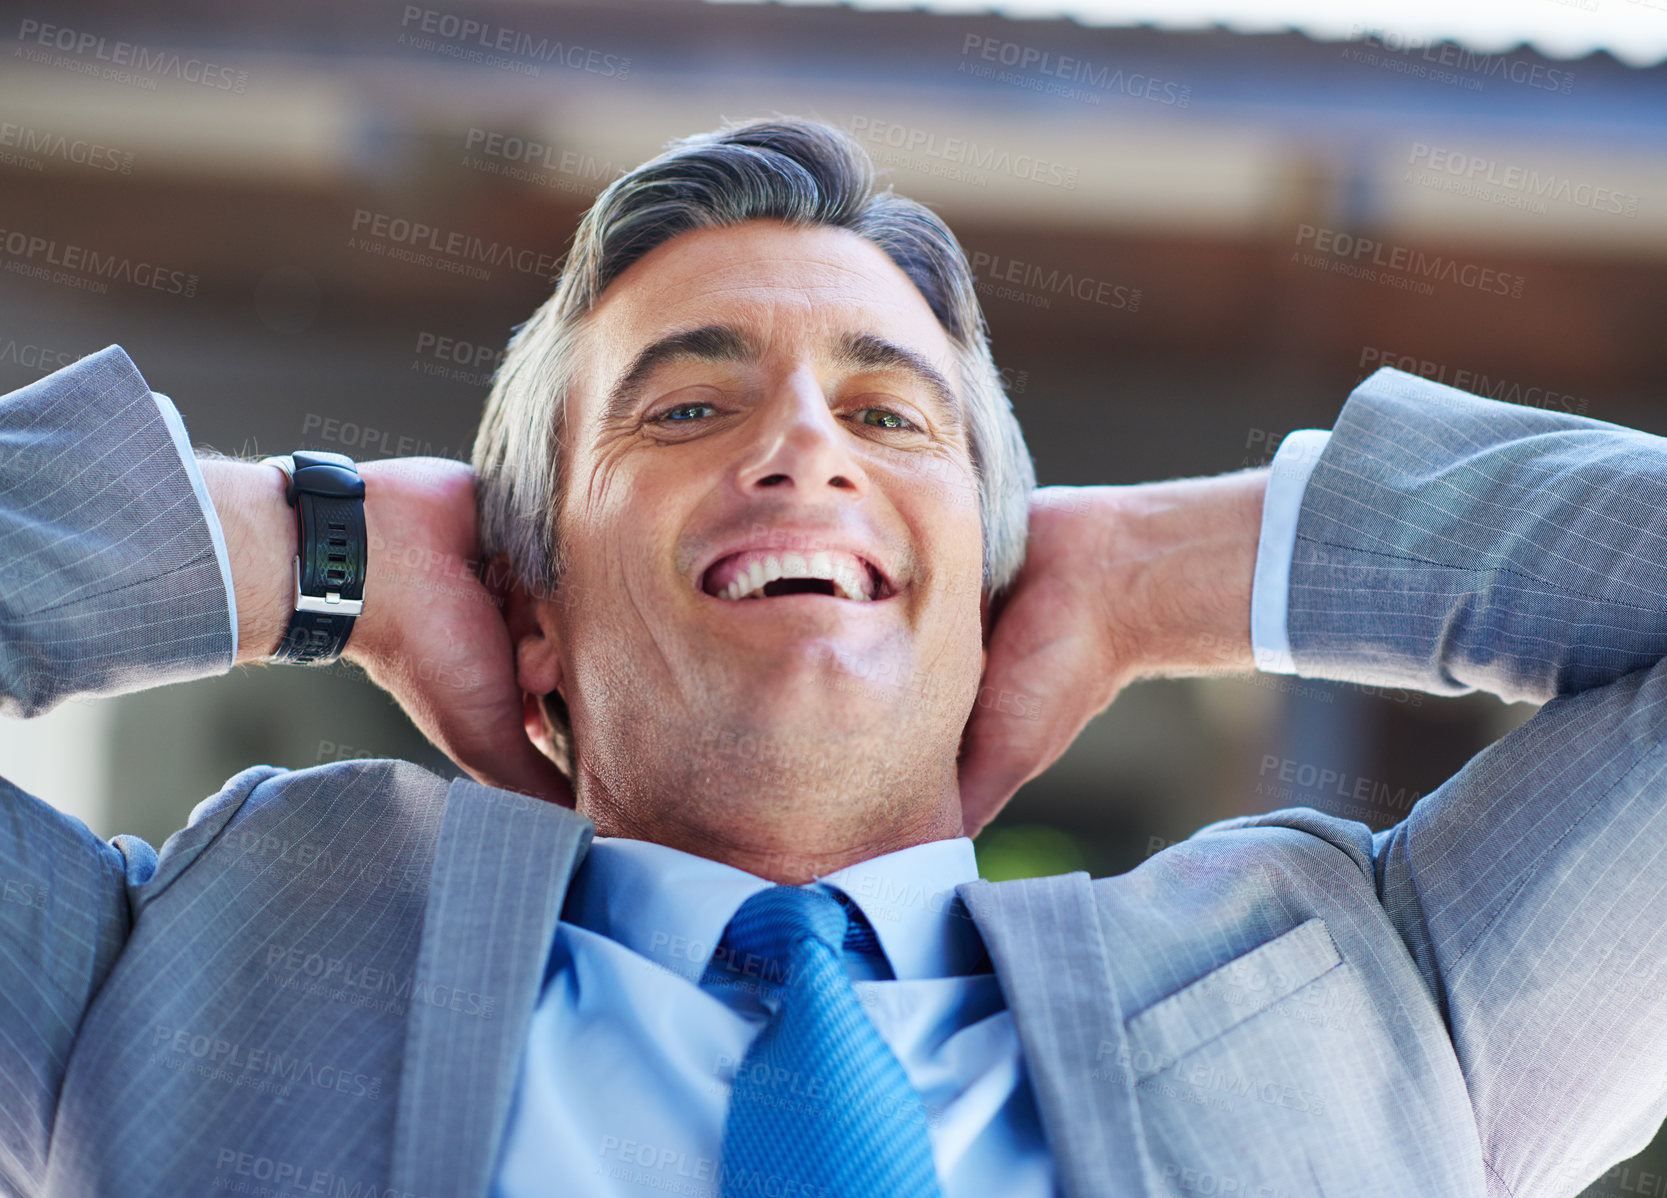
pixel 753 479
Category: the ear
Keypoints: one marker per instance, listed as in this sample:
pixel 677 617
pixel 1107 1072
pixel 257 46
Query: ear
pixel 533 635
pixel 538 728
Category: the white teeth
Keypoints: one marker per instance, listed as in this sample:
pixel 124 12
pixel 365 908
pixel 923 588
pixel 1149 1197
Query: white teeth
pixel 849 585
pixel 849 577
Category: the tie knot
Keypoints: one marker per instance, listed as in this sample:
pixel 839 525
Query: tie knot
pixel 764 936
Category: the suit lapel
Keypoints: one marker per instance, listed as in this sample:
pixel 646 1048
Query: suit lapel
pixel 1044 938
pixel 501 869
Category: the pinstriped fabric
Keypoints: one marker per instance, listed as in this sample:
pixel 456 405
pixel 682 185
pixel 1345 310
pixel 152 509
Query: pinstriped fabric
pixel 1534 886
pixel 1448 542
pixel 1043 935
pixel 108 581
pixel 504 865
pixel 108 578
pixel 239 1009
pixel 62 925
pixel 259 1010
pixel 1522 552
pixel 1344 1083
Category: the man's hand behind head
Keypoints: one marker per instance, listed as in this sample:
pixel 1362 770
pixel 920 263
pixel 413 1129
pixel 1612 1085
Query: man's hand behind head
pixel 433 635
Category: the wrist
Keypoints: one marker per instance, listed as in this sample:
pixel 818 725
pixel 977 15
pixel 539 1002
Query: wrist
pixel 1186 565
pixel 261 543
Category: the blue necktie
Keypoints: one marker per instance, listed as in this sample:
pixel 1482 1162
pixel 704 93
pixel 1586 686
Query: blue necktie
pixel 821 1107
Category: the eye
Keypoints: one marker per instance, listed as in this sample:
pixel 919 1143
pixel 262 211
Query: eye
pixel 892 419
pixel 680 413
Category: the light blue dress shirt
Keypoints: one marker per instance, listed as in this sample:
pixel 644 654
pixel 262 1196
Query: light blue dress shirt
pixel 624 1083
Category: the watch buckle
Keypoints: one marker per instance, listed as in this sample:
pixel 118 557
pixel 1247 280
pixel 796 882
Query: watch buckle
pixel 330 603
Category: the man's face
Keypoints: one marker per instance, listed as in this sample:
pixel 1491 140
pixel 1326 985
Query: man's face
pixel 756 400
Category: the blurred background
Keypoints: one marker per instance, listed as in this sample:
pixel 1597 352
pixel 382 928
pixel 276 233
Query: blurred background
pixel 1161 202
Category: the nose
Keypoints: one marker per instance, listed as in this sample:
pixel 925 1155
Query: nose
pixel 799 442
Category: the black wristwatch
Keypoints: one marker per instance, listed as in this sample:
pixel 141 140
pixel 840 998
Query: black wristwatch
pixel 329 501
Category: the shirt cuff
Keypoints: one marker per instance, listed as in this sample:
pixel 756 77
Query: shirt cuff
pixel 188 459
pixel 1270 640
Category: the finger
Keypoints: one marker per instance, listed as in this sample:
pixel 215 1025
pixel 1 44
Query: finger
pixel 999 755
pixel 1014 733
pixel 514 763
pixel 1021 726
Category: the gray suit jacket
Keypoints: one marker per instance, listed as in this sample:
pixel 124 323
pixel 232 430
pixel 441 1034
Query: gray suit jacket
pixel 321 984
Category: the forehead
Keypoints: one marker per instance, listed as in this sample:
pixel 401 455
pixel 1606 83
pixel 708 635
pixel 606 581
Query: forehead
pixel 794 289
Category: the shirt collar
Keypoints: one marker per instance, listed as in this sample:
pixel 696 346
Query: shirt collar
pixel 672 907
pixel 909 898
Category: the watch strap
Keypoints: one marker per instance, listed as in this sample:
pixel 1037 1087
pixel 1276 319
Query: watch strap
pixel 332 554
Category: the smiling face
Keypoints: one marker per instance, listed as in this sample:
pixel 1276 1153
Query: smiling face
pixel 770 618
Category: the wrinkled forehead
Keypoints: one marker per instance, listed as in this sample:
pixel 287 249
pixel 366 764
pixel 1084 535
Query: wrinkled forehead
pixel 794 293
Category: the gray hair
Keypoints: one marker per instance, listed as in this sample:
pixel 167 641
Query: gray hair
pixel 800 172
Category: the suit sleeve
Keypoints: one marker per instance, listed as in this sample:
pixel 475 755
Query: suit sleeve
pixel 1531 891
pixel 1449 543
pixel 110 581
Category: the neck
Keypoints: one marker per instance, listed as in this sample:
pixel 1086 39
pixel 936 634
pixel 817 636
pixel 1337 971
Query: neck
pixel 789 841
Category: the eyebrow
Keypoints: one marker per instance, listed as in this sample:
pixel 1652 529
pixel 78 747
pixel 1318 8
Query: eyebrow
pixel 709 343
pixel 865 351
pixel 722 343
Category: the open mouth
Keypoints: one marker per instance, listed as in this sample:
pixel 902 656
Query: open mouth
pixel 769 574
